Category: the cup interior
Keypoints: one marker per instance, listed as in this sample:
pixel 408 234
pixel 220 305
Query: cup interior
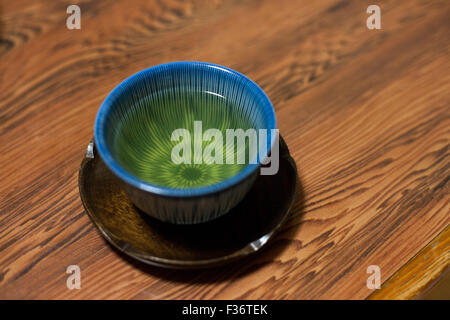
pixel 135 126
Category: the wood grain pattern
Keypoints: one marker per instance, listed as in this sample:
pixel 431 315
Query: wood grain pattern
pixel 440 290
pixel 365 113
pixel 420 274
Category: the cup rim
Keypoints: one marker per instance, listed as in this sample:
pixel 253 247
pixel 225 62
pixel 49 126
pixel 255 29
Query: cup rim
pixel 121 173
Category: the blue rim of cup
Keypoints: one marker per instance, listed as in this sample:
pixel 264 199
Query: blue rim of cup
pixel 114 166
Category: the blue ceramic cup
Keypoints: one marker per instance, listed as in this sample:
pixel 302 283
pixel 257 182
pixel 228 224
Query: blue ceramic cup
pixel 137 122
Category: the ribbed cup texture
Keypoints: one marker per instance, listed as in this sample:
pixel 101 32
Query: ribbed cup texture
pixel 140 127
pixel 138 118
pixel 142 138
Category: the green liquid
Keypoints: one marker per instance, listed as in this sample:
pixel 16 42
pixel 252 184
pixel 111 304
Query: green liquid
pixel 143 146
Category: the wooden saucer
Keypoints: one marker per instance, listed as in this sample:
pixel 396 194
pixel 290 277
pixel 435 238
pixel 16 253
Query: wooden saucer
pixel 244 230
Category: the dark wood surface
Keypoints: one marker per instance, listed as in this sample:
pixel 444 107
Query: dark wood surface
pixel 242 232
pixel 365 114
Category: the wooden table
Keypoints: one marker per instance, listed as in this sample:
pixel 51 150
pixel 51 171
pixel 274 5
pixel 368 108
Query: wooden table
pixel 366 114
